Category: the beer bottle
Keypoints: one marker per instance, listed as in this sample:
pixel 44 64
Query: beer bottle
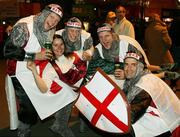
pixel 48 45
pixel 116 63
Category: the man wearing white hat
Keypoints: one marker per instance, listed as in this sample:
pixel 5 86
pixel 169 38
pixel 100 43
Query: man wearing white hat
pixel 111 50
pixel 141 88
pixel 77 39
pixel 27 42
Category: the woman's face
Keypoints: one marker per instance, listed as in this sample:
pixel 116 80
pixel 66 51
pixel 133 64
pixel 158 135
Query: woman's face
pixel 58 47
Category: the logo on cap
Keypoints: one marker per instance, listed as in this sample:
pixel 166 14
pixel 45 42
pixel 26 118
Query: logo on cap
pixel 105 28
pixel 132 55
pixel 57 11
pixel 73 24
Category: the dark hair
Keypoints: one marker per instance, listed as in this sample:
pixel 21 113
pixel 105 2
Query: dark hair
pixel 56 36
pixel 120 5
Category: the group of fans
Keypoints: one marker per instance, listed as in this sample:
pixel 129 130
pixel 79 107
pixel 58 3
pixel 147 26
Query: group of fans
pixel 45 80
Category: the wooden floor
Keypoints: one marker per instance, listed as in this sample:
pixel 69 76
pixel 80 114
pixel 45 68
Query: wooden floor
pixel 4 113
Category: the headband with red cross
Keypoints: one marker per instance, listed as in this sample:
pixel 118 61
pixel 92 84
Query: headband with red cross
pixel 135 56
pixel 73 24
pixel 132 55
pixel 56 9
pixel 104 28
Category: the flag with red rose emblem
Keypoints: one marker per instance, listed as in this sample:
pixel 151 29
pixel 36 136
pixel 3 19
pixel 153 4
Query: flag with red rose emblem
pixel 103 103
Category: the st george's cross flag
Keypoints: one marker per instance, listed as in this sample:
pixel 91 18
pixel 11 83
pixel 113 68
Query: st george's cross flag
pixel 103 103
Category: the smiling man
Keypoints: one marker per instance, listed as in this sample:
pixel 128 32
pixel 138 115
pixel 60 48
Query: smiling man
pixel 123 26
pixel 26 42
pixel 77 39
pixel 111 49
pixel 141 88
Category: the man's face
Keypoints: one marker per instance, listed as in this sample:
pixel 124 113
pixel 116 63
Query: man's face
pixel 51 21
pixel 120 13
pixel 73 34
pixel 130 67
pixel 106 39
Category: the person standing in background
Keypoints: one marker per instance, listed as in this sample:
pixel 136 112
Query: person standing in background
pixel 174 30
pixel 123 26
pixel 110 18
pixel 27 42
pixel 157 41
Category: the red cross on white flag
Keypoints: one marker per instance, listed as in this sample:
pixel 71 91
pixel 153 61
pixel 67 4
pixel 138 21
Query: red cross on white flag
pixel 103 103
